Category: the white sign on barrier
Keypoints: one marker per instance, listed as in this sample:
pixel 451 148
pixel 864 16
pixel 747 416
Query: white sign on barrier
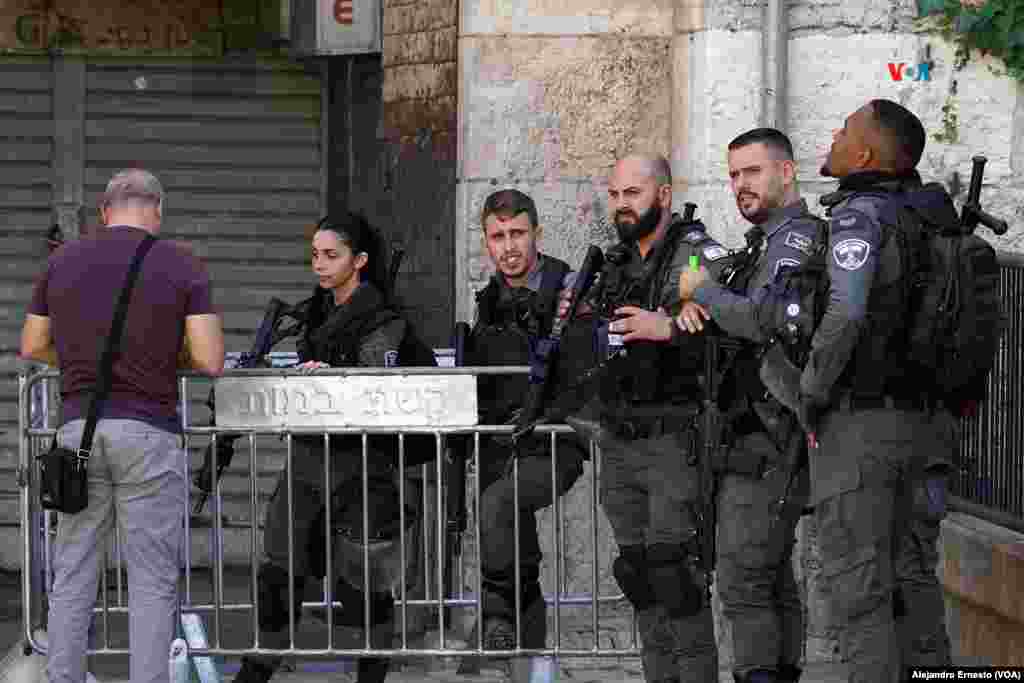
pixel 346 401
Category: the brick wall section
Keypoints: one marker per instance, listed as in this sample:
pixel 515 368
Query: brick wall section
pixel 419 59
pixel 418 129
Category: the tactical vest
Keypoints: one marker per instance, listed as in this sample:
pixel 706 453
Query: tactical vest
pixel 650 373
pixel 507 327
pixel 337 340
pixel 791 310
pixel 878 358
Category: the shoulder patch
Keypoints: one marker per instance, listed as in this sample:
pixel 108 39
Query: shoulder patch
pixel 852 219
pixel 784 263
pixel 695 236
pixel 851 254
pixel 715 252
pixel 799 241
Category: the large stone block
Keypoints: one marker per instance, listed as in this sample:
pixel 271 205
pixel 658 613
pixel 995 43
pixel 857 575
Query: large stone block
pixel 408 117
pixel 845 17
pixel 419 80
pixel 562 17
pixel 717 78
pixel 560 107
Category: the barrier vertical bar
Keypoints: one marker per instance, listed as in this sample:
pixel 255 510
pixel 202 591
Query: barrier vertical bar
pixel 440 550
pixel 254 541
pixel 328 539
pixel 366 540
pixel 401 538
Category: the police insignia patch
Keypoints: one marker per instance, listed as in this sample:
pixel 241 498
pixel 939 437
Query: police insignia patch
pixel 851 254
pixel 785 263
pixel 799 242
pixel 714 253
pixel 694 236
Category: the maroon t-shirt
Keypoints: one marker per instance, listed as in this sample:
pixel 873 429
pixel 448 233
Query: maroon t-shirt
pixel 79 291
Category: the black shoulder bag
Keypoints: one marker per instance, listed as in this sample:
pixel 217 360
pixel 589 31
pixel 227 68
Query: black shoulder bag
pixel 64 473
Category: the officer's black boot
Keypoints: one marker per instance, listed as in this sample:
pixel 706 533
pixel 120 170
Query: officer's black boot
pixel 272 586
pixel 382 612
pixel 500 621
pixel 789 673
pixel 255 671
pixel 373 669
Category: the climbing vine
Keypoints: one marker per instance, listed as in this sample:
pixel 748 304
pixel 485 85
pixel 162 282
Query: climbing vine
pixel 994 27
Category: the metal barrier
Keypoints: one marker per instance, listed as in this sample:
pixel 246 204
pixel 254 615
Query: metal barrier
pixel 990 480
pixel 227 615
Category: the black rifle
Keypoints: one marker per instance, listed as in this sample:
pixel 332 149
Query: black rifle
pixel 455 477
pixel 608 293
pixel 397 253
pixel 707 482
pixel 268 335
pixel 971 213
pixel 543 367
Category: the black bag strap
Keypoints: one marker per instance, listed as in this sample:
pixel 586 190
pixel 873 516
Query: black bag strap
pixel 547 294
pixel 105 378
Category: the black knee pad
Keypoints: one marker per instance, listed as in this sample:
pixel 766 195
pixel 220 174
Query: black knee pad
pixel 272 587
pixel 899 605
pixel 671 580
pixel 630 572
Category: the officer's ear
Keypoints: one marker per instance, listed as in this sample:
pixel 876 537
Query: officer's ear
pixel 665 196
pixel 788 172
pixel 362 258
pixel 865 156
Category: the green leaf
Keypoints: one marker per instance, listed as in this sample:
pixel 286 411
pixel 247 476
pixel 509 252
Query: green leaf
pixel 926 7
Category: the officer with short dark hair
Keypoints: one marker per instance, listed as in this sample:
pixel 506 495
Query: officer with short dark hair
pixel 514 310
pixel 648 423
pixel 754 571
pixel 881 451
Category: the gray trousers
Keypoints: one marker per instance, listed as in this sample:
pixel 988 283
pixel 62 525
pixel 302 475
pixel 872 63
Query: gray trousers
pixel 136 477
pixel 649 493
pixel 497 519
pixel 754 568
pixel 878 483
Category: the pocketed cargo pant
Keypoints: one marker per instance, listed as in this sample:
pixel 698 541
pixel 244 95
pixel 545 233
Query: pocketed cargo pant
pixel 649 492
pixel 878 483
pixel 309 496
pixel 497 525
pixel 754 567
pixel 136 480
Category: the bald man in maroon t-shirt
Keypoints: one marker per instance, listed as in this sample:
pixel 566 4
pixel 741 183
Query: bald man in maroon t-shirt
pixel 137 464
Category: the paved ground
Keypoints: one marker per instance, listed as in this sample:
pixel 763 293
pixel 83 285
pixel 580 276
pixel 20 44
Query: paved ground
pixel 114 668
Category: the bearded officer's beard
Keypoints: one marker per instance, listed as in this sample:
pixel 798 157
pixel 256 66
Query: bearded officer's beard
pixel 645 224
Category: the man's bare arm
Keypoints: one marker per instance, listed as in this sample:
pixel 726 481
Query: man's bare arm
pixel 204 343
pixel 37 341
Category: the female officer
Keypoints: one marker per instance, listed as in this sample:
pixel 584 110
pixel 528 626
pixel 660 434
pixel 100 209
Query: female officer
pixel 351 321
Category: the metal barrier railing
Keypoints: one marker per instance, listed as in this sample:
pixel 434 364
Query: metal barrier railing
pixel 222 607
pixel 990 480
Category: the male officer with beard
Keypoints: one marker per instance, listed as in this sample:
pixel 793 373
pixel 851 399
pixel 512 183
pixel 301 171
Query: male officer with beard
pixel 648 419
pixel 754 572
